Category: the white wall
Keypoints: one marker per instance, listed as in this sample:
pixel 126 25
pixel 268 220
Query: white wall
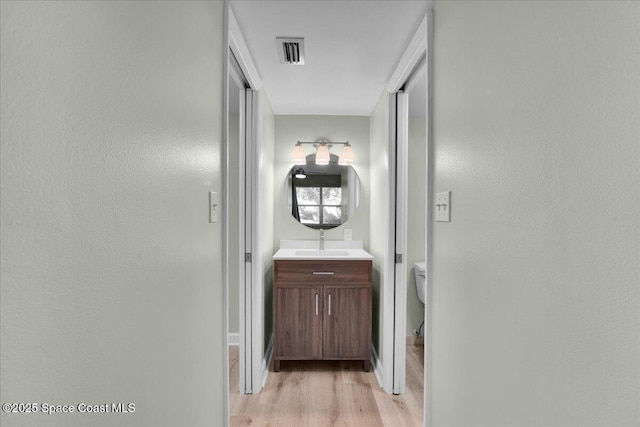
pixel 266 210
pixel 110 272
pixel 378 220
pixel 288 130
pixel 536 294
pixel 416 215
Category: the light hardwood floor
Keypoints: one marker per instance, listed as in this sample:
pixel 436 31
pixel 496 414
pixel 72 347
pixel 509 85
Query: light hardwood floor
pixel 328 393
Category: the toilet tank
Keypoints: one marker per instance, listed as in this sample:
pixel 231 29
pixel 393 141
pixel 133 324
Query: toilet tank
pixel 419 271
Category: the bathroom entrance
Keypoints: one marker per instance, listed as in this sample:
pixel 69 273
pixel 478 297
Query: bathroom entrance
pixel 394 306
pixel 241 204
pixel 411 171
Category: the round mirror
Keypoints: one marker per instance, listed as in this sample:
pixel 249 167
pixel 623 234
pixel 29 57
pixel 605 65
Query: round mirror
pixel 322 197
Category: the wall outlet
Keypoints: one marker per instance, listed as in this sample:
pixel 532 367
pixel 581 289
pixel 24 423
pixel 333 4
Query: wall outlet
pixel 443 207
pixel 348 234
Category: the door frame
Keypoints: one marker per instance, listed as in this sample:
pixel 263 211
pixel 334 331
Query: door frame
pixel 419 47
pixel 399 169
pixel 251 334
pixel 250 285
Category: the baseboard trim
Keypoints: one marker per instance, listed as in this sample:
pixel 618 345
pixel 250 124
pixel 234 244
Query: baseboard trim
pixel 233 338
pixel 377 365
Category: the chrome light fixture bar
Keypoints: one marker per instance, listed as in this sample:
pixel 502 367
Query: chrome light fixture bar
pixel 322 154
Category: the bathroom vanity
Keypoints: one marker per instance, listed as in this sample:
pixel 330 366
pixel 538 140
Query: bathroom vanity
pixel 322 305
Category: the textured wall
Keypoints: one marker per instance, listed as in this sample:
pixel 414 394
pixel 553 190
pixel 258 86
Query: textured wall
pixel 110 135
pixel 536 294
pixel 288 130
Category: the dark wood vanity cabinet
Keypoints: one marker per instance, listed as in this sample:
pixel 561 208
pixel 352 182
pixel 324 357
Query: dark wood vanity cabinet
pixel 322 310
pixel 298 320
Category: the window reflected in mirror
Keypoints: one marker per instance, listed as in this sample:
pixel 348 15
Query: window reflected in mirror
pixel 319 205
pixel 322 197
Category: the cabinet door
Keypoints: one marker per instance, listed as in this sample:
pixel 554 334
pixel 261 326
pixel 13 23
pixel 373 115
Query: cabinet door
pixel 347 322
pixel 298 319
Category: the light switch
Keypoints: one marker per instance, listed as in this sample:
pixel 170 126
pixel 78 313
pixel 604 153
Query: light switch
pixel 348 234
pixel 443 207
pixel 213 206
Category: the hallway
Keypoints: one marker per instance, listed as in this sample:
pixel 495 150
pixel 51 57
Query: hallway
pixel 114 141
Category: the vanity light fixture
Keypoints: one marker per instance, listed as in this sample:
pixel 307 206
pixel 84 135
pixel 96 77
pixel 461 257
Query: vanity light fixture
pixel 299 173
pixel 322 154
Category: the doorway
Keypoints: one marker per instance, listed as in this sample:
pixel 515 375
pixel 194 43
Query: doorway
pixel 412 188
pixel 236 141
pixel 398 297
pixel 412 135
pixel 416 214
pixel 242 203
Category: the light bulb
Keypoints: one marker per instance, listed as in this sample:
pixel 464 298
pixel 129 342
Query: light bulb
pixel 346 156
pixel 322 155
pixel 298 156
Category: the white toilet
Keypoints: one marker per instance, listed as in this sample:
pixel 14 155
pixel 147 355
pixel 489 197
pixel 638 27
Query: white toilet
pixel 419 269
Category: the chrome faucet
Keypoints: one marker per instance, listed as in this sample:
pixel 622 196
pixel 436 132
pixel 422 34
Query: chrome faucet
pixel 321 240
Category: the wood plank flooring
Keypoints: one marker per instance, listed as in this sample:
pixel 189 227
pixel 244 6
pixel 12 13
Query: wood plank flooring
pixel 328 393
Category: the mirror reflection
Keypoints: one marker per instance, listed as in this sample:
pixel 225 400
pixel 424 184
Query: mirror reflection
pixel 322 197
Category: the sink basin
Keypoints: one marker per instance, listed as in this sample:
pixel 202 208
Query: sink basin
pixel 314 252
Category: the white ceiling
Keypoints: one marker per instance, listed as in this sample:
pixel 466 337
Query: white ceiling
pixel 351 49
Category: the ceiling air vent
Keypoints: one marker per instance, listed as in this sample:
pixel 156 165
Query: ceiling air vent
pixel 291 50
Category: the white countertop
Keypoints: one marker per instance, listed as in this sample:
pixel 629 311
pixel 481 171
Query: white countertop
pixel 334 250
